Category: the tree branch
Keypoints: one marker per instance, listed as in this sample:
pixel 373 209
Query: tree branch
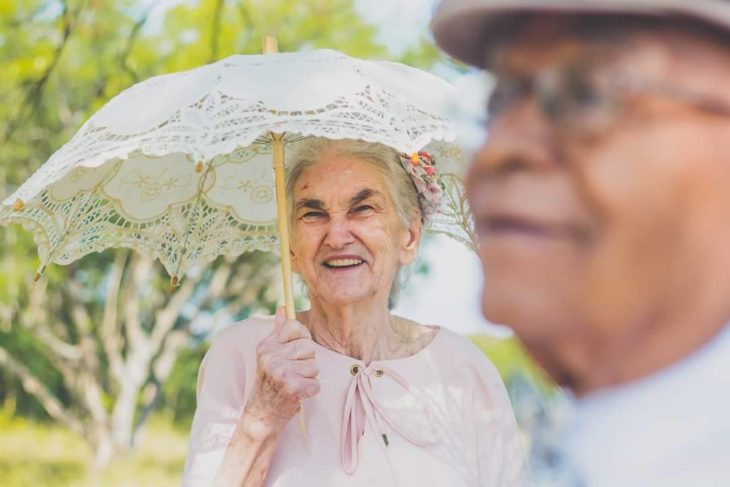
pixel 33 96
pixel 248 23
pixel 20 22
pixel 89 376
pixel 217 285
pixel 36 320
pixel 136 28
pixel 215 30
pixel 109 330
pixel 92 396
pixel 62 349
pixel 165 318
pixel 34 386
pixel 160 372
pixel 136 277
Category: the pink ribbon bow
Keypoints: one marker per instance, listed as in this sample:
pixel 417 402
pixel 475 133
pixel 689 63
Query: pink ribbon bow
pixel 361 405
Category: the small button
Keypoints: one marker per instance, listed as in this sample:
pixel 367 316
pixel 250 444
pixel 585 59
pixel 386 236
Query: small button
pixel 354 369
pixel 379 373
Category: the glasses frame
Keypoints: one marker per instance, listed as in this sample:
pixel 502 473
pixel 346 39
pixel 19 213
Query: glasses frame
pixel 580 101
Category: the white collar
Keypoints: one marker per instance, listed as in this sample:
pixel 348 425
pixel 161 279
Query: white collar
pixel 629 431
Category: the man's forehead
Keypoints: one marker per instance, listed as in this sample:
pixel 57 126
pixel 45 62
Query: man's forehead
pixel 538 41
pixel 530 53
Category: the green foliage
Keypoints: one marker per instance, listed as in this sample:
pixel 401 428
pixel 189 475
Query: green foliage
pixel 179 392
pixel 23 344
pixel 511 360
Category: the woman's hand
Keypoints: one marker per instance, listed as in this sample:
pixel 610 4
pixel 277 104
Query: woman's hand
pixel 287 373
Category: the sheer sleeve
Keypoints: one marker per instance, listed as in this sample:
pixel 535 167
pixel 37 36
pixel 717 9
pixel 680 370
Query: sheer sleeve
pixel 480 432
pixel 501 455
pixel 221 393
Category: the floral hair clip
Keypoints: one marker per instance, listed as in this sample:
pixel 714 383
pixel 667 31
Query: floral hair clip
pixel 420 166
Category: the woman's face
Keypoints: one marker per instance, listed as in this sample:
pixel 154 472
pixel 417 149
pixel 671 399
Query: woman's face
pixel 347 239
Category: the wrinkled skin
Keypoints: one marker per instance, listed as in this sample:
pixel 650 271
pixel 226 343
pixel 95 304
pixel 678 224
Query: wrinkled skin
pixel 608 255
pixel 287 372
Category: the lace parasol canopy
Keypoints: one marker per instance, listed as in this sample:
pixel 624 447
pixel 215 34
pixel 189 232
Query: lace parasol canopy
pixel 178 167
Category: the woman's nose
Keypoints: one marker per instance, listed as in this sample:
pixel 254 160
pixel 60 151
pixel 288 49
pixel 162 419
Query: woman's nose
pixel 339 233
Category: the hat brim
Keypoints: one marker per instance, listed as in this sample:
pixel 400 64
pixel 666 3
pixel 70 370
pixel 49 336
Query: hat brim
pixel 463 28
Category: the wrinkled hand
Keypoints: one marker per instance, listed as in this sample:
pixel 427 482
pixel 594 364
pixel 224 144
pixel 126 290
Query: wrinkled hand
pixel 287 373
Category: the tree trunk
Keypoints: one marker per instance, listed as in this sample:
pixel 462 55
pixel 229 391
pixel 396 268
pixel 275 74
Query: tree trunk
pixel 103 449
pixel 125 406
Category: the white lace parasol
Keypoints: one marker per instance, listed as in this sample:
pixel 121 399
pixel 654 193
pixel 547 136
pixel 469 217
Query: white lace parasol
pixel 179 167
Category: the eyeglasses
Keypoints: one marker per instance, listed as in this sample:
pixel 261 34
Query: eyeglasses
pixel 581 103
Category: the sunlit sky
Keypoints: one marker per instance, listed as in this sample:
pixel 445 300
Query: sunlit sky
pixel 449 295
pixel 399 22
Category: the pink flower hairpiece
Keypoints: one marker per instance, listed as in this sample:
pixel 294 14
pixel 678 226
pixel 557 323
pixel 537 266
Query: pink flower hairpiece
pixel 420 166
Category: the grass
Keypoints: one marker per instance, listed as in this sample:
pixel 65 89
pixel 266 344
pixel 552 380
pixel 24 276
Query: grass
pixel 40 454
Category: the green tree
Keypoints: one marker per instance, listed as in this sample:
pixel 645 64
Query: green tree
pixel 94 342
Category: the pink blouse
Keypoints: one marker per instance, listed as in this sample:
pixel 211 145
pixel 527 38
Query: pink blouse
pixel 440 417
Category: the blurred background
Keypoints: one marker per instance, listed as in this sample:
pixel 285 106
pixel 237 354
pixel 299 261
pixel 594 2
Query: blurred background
pixel 98 360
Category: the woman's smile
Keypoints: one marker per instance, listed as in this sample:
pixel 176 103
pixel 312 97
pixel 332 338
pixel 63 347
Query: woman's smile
pixel 343 262
pixel 347 237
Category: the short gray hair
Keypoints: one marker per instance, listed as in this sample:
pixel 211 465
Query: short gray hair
pixel 399 185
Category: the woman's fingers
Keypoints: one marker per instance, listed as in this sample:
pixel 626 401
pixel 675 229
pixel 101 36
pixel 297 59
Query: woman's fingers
pixel 279 318
pixel 290 330
pixel 299 349
pixel 288 371
pixel 299 387
pixel 287 367
pixel 308 388
pixel 309 369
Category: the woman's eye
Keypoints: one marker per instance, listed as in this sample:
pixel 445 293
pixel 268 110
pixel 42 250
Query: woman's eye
pixel 313 215
pixel 362 208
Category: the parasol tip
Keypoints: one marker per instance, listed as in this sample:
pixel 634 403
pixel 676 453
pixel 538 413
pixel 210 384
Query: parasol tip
pixel 19 205
pixel 199 166
pixel 38 273
pixel 173 283
pixel 270 45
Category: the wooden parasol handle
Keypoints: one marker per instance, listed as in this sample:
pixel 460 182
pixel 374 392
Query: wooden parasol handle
pixel 282 220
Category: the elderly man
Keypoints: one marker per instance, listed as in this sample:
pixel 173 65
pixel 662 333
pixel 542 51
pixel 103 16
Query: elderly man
pixel 602 203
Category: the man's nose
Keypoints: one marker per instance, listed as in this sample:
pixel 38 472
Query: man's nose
pixel 339 232
pixel 521 138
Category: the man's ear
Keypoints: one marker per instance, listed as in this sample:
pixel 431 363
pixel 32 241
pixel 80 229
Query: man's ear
pixel 411 242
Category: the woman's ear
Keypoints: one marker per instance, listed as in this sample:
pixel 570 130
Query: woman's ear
pixel 411 242
pixel 294 261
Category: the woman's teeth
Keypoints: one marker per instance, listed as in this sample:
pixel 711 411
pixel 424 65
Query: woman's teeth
pixel 343 262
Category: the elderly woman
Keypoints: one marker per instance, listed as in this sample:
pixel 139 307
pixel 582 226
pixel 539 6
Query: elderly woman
pixel 387 401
